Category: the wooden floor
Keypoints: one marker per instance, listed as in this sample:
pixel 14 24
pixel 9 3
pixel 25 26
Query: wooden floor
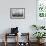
pixel 13 44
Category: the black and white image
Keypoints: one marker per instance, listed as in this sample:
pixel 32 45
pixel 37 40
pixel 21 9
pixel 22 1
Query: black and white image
pixel 17 13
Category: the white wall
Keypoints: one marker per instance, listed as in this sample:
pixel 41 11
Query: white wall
pixel 23 24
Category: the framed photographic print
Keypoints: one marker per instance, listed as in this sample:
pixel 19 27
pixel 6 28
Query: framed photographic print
pixel 41 12
pixel 41 8
pixel 17 13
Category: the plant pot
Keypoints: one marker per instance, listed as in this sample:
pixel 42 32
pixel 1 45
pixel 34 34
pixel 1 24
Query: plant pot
pixel 40 41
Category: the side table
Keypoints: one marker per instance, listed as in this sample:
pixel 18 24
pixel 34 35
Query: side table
pixel 8 34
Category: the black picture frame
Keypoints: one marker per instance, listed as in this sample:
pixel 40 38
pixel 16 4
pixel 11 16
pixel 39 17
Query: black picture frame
pixel 17 13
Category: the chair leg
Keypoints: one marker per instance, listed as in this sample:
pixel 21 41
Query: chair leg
pixel 5 43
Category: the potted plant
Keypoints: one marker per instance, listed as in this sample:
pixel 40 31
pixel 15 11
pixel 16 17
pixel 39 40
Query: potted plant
pixel 39 35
